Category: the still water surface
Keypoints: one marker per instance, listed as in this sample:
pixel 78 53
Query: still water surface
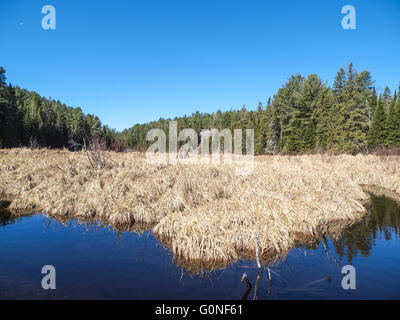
pixel 96 262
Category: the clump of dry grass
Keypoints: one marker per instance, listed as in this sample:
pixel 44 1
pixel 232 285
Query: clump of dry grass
pixel 202 212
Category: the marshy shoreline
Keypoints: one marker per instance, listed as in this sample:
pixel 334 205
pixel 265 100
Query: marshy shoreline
pixel 205 214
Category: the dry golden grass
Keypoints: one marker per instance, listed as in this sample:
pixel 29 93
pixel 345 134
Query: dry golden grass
pixel 203 213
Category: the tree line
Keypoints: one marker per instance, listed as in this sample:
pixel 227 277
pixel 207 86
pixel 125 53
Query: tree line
pixel 304 116
pixel 27 119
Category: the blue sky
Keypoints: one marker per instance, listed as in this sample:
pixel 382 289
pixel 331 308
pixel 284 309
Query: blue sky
pixel 135 61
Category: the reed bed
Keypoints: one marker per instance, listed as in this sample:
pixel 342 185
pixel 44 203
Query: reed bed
pixel 203 213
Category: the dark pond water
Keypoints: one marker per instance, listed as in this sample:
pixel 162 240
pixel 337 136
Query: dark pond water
pixel 95 262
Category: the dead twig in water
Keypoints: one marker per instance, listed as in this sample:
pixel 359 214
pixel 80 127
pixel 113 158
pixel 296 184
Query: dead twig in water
pixel 255 297
pixel 249 286
pixel 257 236
pixel 328 251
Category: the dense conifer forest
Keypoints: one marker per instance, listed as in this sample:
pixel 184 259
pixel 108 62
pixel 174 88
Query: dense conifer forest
pixel 304 116
pixel 27 119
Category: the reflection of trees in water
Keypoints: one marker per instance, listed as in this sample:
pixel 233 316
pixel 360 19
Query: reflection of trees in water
pixel 383 217
pixel 6 217
pixel 359 238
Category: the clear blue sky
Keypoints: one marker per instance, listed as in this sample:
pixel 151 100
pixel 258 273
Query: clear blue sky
pixel 136 61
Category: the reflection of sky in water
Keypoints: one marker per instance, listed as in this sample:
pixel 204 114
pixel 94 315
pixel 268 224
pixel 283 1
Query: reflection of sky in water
pixel 96 262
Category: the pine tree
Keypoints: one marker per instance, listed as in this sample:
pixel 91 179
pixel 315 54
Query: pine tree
pixel 303 116
pixel 285 103
pixel 302 136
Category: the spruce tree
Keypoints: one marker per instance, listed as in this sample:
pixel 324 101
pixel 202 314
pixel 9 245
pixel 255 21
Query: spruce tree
pixel 396 132
pixel 393 124
pixel 378 132
pixel 3 106
pixel 372 102
pixel 387 96
pixel 8 115
pixel 323 117
pixel 336 129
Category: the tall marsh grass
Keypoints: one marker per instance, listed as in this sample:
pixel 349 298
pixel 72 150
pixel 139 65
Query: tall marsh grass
pixel 201 212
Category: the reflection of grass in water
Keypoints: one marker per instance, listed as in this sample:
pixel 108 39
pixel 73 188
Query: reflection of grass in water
pixel 6 217
pixel 4 204
pixel 201 212
pixel 383 213
pixel 94 224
